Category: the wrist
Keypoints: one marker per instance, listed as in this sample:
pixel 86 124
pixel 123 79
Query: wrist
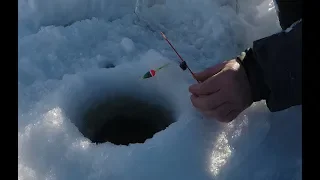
pixel 259 89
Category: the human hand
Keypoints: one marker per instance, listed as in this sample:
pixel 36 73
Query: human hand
pixel 224 91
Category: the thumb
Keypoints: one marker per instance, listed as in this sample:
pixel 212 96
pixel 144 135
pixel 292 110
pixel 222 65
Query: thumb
pixel 207 73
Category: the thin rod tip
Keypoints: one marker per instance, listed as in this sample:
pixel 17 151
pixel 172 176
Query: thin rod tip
pixel 164 36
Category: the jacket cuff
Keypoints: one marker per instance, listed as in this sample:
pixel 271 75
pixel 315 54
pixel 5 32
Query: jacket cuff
pixel 259 89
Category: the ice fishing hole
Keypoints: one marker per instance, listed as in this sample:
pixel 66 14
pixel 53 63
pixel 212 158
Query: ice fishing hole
pixel 125 120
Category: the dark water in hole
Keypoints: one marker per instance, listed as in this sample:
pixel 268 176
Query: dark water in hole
pixel 125 120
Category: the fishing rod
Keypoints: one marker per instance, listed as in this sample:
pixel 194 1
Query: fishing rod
pixel 183 64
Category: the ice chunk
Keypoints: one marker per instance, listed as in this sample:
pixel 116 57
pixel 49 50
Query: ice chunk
pixel 127 44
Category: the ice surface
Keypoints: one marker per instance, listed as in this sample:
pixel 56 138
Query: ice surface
pixel 63 48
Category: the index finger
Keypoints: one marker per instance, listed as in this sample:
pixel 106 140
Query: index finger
pixel 207 73
pixel 209 86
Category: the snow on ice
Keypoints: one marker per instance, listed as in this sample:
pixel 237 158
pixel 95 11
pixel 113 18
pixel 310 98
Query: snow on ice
pixel 63 48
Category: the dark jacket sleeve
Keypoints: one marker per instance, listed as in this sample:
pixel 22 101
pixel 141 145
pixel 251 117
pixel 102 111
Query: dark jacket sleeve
pixel 273 67
pixel 289 11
